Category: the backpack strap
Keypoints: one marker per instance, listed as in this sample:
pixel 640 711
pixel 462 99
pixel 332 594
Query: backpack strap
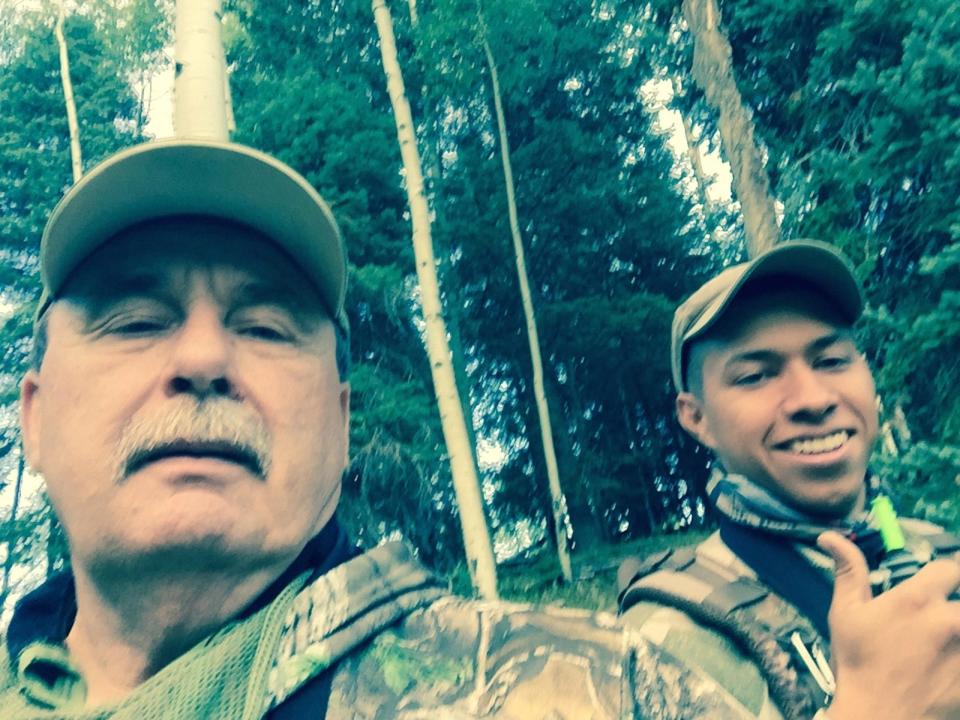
pixel 764 627
pixel 780 567
pixel 635 567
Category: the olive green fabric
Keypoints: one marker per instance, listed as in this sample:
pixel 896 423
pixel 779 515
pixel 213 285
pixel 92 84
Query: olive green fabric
pixel 403 648
pixel 711 655
pixel 210 680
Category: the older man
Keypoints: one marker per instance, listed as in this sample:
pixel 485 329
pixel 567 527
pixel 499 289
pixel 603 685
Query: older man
pixel 188 410
pixel 770 378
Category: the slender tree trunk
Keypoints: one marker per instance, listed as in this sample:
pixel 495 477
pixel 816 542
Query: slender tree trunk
pixel 199 88
pixel 76 159
pixel 466 483
pixel 557 504
pixel 693 153
pixel 141 100
pixel 450 280
pixel 895 432
pixel 900 425
pixel 55 542
pixel 696 161
pixel 12 535
pixel 713 72
pixel 645 480
pixel 587 527
pixel 431 160
pixel 228 97
pixel 449 276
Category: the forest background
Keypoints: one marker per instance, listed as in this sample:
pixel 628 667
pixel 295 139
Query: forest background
pixel 852 109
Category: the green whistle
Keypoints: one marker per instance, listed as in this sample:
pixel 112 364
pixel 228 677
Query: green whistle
pixel 886 519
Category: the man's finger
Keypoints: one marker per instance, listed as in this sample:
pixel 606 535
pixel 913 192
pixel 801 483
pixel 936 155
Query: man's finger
pixel 852 577
pixel 937 579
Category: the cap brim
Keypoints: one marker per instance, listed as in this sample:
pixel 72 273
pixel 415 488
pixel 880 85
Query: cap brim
pixel 811 261
pixel 196 177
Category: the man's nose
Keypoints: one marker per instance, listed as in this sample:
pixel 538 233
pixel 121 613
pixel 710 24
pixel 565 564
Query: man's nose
pixel 202 355
pixel 810 397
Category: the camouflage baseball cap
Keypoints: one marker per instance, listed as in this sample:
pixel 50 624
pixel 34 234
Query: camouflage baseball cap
pixel 185 177
pixel 812 261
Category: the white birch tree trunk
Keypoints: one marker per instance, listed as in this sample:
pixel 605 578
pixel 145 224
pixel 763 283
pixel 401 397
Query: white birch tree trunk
pixel 228 98
pixel 76 158
pixel 696 160
pixel 199 88
pixel 476 536
pixel 713 72
pixel 693 152
pixel 12 537
pixel 895 433
pixel 558 503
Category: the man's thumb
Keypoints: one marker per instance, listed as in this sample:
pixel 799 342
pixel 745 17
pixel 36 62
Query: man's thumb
pixel 852 577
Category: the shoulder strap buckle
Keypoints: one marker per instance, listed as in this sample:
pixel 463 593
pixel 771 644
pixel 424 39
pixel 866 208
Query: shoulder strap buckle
pixel 816 664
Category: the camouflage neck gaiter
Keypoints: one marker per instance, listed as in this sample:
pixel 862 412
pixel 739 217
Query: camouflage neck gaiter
pixel 744 502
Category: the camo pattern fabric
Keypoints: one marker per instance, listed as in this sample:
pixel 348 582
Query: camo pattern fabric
pixel 462 659
pixel 708 654
pixel 713 658
pixel 399 647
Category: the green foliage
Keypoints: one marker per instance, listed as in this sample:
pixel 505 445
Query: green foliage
pixel 602 218
pixel 920 371
pixel 35 171
pixel 855 103
pixel 606 232
pixel 537 581
pixel 323 109
pixel 926 481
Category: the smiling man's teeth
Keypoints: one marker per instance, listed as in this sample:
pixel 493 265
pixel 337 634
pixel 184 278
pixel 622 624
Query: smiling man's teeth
pixel 813 446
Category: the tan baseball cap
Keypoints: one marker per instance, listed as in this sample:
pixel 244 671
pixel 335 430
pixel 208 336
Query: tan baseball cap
pixel 196 177
pixel 812 261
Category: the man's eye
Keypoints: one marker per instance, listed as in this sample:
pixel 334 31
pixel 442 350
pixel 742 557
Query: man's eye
pixel 832 362
pixel 751 378
pixel 135 326
pixel 261 331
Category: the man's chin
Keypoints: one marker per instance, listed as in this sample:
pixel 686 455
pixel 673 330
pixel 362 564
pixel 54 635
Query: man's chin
pixel 830 504
pixel 182 554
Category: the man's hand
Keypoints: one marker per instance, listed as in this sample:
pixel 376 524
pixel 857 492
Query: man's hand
pixel 897 656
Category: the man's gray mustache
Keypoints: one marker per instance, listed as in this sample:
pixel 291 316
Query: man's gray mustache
pixel 219 427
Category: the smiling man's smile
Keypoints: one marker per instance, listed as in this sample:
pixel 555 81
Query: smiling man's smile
pixel 818 445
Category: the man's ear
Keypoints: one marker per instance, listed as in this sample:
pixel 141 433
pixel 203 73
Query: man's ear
pixel 693 419
pixel 30 418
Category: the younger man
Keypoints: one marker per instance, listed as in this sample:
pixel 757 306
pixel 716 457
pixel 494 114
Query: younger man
pixel 770 378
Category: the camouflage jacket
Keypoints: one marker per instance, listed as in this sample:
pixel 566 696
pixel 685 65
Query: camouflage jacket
pixel 708 614
pixel 400 647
